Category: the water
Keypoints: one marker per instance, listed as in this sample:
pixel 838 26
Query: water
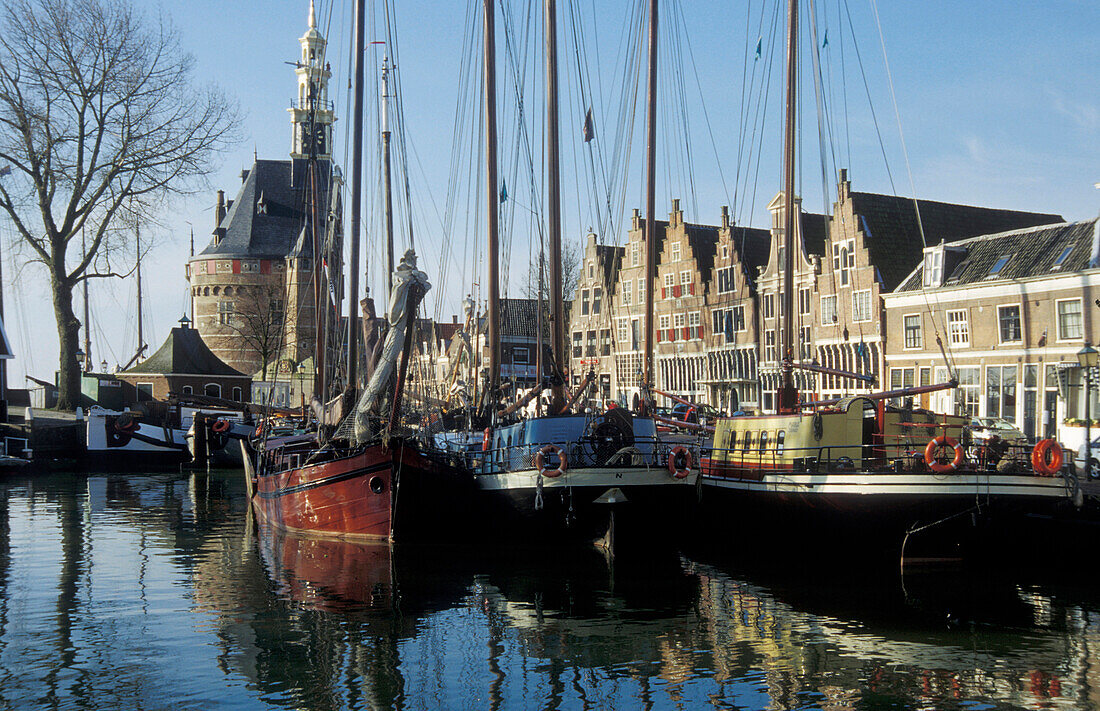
pixel 157 592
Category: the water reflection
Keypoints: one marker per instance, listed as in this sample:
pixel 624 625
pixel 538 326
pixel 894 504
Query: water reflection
pixel 157 592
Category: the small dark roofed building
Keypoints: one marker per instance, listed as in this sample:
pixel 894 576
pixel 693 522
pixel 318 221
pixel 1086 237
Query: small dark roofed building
pixel 183 365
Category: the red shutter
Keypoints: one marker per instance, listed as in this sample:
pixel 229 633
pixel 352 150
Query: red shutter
pixel 662 292
pixel 686 336
pixel 691 288
pixel 676 291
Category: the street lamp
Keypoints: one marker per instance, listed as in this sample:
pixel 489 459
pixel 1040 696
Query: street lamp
pixel 80 357
pixel 1089 358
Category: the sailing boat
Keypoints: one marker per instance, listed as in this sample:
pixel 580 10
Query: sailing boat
pixel 346 483
pixel 568 475
pixel 858 465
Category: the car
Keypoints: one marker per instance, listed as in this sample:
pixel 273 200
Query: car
pixel 982 429
pixel 1080 461
pixel 685 413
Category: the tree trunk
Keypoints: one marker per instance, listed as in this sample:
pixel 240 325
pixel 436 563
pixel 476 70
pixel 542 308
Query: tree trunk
pixel 68 337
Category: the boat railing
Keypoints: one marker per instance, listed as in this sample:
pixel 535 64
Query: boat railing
pixel 644 453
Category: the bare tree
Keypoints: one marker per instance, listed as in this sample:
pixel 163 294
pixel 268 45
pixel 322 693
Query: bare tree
pixel 258 323
pixel 570 273
pixel 98 115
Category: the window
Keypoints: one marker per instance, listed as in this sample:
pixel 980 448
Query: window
pixel 746 444
pixel 635 258
pixel 861 306
pixel 1062 257
pixel 225 313
pixel 694 320
pixel 902 378
pixel 769 305
pixel 769 345
pixel 597 296
pixel 969 391
pixel 844 260
pixel 238 394
pixel 958 328
pixel 803 301
pixel 999 264
pixel 805 349
pixel 685 277
pixel 623 334
pixel 764 441
pixel 1069 319
pixel 578 344
pixel 912 331
pixel 628 292
pixel 188 390
pixel 678 321
pixel 1009 319
pixel 933 267
pixel 635 334
pixel 605 341
pixel 828 310
pixel 213 390
pixel 725 280
pixel 641 291
pixel 670 281
pixel 590 345
pixel 675 251
pixel 521 355
pixel 275 308
pixel 591 270
pixel 584 302
pixel 664 323
pixel 144 392
pixel 1000 392
pixel 738 314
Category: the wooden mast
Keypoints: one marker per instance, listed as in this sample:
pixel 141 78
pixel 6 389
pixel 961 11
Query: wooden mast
pixel 650 200
pixel 492 334
pixel 386 180
pixel 356 199
pixel 553 209
pixel 788 396
pixel 137 269
pixel 87 315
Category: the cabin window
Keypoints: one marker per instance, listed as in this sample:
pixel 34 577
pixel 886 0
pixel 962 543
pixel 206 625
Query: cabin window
pixel 763 441
pixel 747 444
pixel 731 440
pixel 780 437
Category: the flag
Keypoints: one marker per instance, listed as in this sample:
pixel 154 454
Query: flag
pixel 825 43
pixel 6 170
pixel 759 47
pixel 589 130
pixel 503 191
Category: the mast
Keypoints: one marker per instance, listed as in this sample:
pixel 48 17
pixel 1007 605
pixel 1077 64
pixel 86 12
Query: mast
pixel 356 199
pixel 553 209
pixel 650 207
pixel 87 317
pixel 538 333
pixel 492 215
pixel 319 342
pixel 137 269
pixel 788 395
pixel 386 181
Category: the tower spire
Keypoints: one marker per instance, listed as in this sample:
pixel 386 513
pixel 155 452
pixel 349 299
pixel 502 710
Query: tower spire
pixel 312 16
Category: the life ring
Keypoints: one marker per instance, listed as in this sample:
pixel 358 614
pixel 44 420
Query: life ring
pixel 220 426
pixel 126 423
pixel 679 472
pixel 486 439
pixel 930 454
pixel 540 461
pixel 1039 457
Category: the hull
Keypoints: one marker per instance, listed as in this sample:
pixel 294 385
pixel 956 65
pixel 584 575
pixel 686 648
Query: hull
pixel 377 493
pixel 147 445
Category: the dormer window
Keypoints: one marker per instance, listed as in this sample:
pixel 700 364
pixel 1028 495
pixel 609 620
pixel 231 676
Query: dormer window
pixel 933 267
pixel 999 264
pixel 1062 258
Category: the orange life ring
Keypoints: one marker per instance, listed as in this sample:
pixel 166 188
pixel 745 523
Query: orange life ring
pixel 1039 457
pixel 486 439
pixel 540 461
pixel 675 471
pixel 220 426
pixel 930 454
pixel 126 423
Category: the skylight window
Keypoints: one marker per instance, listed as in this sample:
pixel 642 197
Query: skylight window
pixel 999 265
pixel 1062 257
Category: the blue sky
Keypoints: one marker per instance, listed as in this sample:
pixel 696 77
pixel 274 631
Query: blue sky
pixel 999 104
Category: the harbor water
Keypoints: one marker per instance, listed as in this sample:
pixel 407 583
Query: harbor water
pixel 158 591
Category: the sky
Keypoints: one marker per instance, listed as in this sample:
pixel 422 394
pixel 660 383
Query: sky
pixel 998 105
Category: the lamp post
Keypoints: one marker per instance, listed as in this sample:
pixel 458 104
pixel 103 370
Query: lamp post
pixel 1089 358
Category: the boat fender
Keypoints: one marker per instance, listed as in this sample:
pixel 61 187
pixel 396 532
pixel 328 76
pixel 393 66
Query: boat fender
pixel 679 462
pixel 819 426
pixel 486 439
pixel 540 461
pixel 126 423
pixel 220 426
pixel 930 454
pixel 1039 461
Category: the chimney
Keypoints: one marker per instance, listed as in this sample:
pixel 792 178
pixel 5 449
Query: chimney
pixel 219 213
pixel 454 318
pixel 676 217
pixel 636 219
pixel 725 216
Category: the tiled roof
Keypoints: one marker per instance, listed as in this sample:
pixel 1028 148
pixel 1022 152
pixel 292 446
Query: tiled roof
pixel 518 319
pixel 610 258
pixel 893 236
pixel 704 243
pixel 272 229
pixel 1031 252
pixel 184 353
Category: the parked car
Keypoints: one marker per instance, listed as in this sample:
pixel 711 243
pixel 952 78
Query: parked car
pixel 982 429
pixel 1080 461
pixel 685 413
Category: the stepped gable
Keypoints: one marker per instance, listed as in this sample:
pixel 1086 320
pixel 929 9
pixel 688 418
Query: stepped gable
pixel 266 218
pixel 1032 252
pixel 184 353
pixel 704 244
pixel 893 237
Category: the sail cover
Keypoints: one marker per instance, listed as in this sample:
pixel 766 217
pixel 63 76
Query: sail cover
pixel 399 318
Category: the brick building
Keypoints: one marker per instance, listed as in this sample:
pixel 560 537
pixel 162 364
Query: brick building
pixel 1012 310
pixel 591 326
pixel 256 273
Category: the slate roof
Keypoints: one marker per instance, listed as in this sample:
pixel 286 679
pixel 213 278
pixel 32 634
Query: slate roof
pixel 184 353
pixel 1032 252
pixel 893 238
pixel 273 231
pixel 704 243
pixel 751 245
pixel 610 258
pixel 518 318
